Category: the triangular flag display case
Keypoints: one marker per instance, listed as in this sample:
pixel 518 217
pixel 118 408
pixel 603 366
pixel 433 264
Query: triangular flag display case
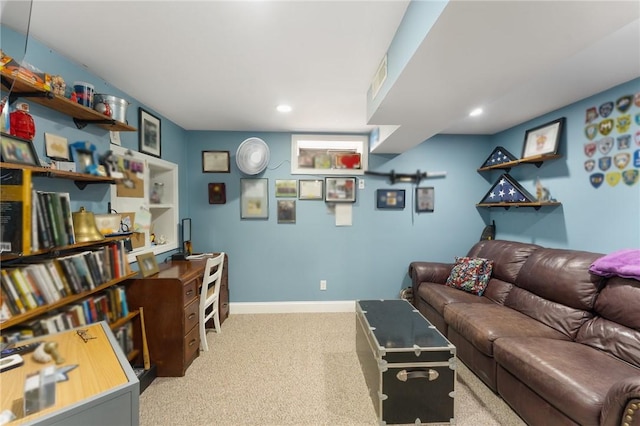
pixel 499 156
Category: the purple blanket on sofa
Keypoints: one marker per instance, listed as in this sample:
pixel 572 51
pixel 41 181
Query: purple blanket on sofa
pixel 622 263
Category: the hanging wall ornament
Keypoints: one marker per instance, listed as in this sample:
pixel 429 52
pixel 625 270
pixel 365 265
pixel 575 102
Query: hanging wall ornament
pixel 606 109
pixel 624 103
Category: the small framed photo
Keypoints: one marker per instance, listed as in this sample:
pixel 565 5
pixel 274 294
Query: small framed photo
pixel 56 147
pixel 254 199
pixel 286 188
pixel 217 193
pixel 340 190
pixel 85 155
pixel 286 211
pixel 216 162
pixel 147 264
pixel 18 150
pixel 150 133
pixel 390 199
pixel 543 140
pixel 310 189
pixel 424 199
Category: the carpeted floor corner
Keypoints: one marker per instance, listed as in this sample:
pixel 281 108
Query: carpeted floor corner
pixel 290 369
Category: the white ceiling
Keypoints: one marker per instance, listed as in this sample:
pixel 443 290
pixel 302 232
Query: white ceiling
pixel 225 65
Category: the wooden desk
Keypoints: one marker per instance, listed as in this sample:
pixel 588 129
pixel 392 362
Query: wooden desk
pixel 171 300
pixel 103 389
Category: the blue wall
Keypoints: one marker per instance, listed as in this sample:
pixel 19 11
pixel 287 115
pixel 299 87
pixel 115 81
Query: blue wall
pixel 602 219
pixel 285 262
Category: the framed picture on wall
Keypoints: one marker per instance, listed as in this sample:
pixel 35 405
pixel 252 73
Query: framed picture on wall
pixel 286 211
pixel 543 140
pixel 340 190
pixel 17 150
pixel 310 189
pixel 390 199
pixel 424 199
pixel 215 162
pixel 254 199
pixel 149 134
pixel 286 188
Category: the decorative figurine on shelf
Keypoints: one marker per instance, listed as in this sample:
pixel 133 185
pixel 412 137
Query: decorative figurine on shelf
pixel 21 123
pixel 542 194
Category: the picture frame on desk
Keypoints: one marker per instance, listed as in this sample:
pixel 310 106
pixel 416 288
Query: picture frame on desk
pixel 17 150
pixel 147 264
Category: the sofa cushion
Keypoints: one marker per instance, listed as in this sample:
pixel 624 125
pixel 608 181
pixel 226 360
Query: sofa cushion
pixel 508 256
pixel 555 287
pixel 470 274
pixel 617 328
pixel 622 263
pixel 481 324
pixel 570 376
pixel 438 296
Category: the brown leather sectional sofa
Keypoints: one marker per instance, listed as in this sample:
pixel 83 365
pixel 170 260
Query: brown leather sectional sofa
pixel 561 346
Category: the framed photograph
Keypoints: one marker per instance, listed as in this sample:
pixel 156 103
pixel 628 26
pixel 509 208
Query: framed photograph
pixel 424 199
pixel 286 211
pixel 85 155
pixel 217 193
pixel 390 199
pixel 149 134
pixel 147 264
pixel 18 150
pixel 310 189
pixel 340 190
pixel 543 140
pixel 56 147
pixel 286 188
pixel 254 199
pixel 216 162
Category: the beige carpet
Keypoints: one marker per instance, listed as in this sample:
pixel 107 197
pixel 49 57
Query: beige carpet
pixel 290 369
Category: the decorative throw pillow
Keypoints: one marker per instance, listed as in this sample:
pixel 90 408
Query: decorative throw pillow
pixel 470 274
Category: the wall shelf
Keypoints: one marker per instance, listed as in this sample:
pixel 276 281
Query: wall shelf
pixel 507 206
pixel 537 161
pixel 81 114
pixel 80 179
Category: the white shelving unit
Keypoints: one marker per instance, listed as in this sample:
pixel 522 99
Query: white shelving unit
pixel 164 215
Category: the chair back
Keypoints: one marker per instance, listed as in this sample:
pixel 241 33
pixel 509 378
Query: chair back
pixel 211 284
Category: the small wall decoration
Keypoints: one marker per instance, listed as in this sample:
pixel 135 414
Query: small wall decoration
pixel 217 193
pixel 17 150
pixel 254 199
pixel 216 162
pixel 390 199
pixel 147 264
pixel 310 189
pixel 149 135
pixel 286 188
pixel 85 155
pixel 286 211
pixel 543 140
pixel 340 190
pixel 425 199
pixel 56 147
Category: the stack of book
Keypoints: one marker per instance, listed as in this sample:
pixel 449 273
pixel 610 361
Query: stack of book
pixel 39 282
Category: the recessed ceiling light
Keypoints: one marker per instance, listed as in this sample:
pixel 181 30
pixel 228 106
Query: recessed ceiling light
pixel 284 108
pixel 476 112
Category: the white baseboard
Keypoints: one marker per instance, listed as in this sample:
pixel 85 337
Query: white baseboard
pixel 291 307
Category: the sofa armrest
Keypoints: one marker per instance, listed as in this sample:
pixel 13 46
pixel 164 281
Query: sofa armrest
pixel 622 404
pixel 433 272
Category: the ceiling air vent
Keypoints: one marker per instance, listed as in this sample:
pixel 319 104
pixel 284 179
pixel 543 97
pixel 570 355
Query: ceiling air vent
pixel 379 78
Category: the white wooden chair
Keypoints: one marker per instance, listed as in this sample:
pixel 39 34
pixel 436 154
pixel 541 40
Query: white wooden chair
pixel 209 296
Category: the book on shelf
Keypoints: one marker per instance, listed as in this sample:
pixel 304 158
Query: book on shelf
pixel 10 288
pixel 57 219
pixel 15 211
pixel 27 297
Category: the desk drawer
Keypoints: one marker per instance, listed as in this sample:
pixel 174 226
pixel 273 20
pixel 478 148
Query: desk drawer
pixel 191 315
pixel 191 343
pixel 190 291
